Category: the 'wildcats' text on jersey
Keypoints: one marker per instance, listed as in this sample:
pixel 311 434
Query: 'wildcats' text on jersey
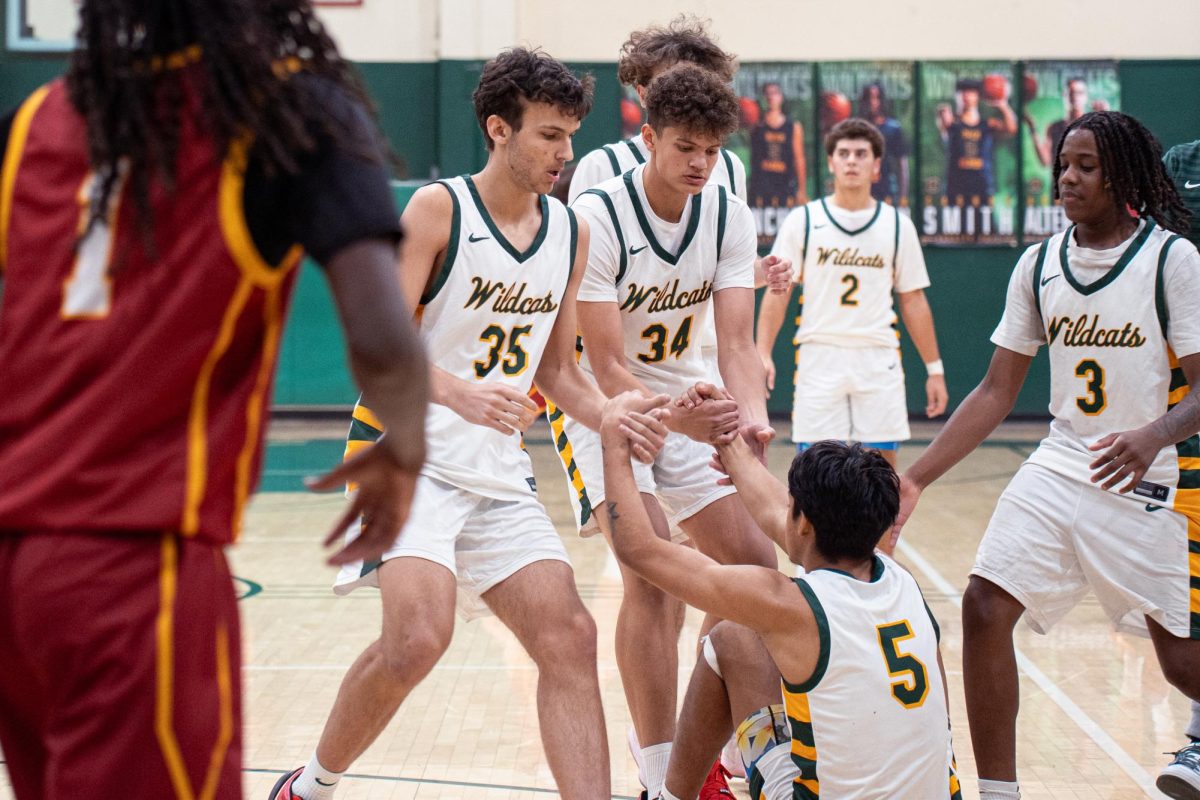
pixel 850 263
pixel 1115 322
pixel 663 275
pixel 487 317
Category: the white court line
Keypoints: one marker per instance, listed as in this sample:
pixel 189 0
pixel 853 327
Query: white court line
pixel 1086 724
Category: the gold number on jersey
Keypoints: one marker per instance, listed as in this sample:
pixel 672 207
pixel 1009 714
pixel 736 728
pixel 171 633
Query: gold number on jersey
pixel 913 687
pixel 657 335
pixel 87 293
pixel 512 360
pixel 1095 401
pixel 848 298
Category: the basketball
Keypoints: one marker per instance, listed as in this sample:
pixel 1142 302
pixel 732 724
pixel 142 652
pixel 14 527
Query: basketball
pixel 837 107
pixel 631 114
pixel 751 111
pixel 995 87
pixel 1030 87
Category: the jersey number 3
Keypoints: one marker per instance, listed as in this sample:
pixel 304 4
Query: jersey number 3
pixel 913 687
pixel 1095 401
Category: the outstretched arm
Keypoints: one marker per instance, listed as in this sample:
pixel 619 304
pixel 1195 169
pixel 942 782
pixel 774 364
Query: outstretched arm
pixel 758 597
pixel 764 496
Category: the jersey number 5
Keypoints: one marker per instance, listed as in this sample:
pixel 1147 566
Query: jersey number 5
pixel 913 687
pixel 514 360
pixel 1095 401
pixel 657 335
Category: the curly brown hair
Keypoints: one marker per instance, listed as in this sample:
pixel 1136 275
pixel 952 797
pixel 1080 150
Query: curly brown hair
pixel 685 39
pixel 519 75
pixel 854 128
pixel 695 99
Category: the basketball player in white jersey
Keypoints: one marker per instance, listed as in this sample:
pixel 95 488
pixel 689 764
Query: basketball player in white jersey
pixel 853 253
pixel 851 643
pixel 668 249
pixel 496 265
pixel 1110 500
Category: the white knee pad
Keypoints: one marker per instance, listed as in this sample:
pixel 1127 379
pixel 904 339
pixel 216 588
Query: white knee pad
pixel 710 655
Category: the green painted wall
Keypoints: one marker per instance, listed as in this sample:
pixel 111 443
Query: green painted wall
pixel 425 109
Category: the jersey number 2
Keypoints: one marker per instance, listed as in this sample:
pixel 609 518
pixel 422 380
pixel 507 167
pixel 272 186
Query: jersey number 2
pixel 848 298
pixel 913 687
pixel 514 360
pixel 87 293
pixel 1095 401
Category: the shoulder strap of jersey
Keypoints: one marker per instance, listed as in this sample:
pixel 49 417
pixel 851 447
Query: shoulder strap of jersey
pixel 1037 277
pixel 807 224
pixel 612 159
pixel 637 154
pixel 823 637
pixel 574 223
pixel 729 170
pixel 616 223
pixel 451 247
pixel 1160 298
pixel 896 241
pixel 722 210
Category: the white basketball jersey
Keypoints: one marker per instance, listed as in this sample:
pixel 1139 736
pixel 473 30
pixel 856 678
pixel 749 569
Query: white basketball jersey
pixel 665 297
pixel 871 723
pixel 848 274
pixel 488 317
pixel 1111 367
pixel 616 159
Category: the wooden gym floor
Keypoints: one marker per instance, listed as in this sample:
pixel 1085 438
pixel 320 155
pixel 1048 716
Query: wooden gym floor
pixel 1096 715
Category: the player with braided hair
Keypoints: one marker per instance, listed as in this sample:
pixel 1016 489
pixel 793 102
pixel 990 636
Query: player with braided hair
pixel 1110 500
pixel 156 203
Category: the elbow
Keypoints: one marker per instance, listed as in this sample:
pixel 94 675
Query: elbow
pixel 393 351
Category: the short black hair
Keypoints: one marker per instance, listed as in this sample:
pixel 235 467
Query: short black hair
pixel 850 495
pixel 854 128
pixel 520 75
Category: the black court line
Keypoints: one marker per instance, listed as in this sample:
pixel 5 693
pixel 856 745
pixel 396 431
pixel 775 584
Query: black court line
pixel 433 781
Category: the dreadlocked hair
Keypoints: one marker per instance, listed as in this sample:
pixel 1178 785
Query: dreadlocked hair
pixel 1131 161
pixel 126 79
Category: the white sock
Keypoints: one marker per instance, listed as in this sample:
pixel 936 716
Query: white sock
pixel 994 790
pixel 654 764
pixel 635 750
pixel 1193 729
pixel 666 795
pixel 316 782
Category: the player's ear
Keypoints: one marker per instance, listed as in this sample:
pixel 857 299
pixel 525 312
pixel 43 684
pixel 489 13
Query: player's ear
pixel 498 129
pixel 648 136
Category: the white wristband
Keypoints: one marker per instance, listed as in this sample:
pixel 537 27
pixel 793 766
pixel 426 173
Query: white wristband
pixel 935 368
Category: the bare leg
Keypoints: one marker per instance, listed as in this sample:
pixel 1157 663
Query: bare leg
pixel 647 639
pixel 990 673
pixel 1179 659
pixel 394 664
pixel 714 705
pixel 724 531
pixel 541 606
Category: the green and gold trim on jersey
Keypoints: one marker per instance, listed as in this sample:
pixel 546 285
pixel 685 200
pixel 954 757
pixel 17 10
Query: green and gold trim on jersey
pixel 562 444
pixel 1114 273
pixel 842 228
pixel 688 234
pixel 521 256
pixel 807 785
pixel 1187 492
pixel 443 272
pixel 616 226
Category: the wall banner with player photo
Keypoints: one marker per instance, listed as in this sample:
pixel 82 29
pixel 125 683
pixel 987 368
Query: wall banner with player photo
pixel 1053 95
pixel 968 155
pixel 882 93
pixel 778 105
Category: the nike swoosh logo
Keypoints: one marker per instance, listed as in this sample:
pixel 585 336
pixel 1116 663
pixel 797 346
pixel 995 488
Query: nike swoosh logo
pixel 1190 185
pixel 473 238
pixel 1047 280
pixel 1152 507
pixel 893 366
pixel 323 783
pixel 822 225
pixel 633 251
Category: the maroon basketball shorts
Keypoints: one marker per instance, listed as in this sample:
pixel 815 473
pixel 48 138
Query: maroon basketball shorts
pixel 119 667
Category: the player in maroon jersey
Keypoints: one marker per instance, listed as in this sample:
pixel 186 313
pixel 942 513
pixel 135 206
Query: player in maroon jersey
pixel 154 205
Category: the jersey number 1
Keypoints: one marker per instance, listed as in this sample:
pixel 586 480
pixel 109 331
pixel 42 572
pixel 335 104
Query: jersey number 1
pixel 87 293
pixel 913 687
